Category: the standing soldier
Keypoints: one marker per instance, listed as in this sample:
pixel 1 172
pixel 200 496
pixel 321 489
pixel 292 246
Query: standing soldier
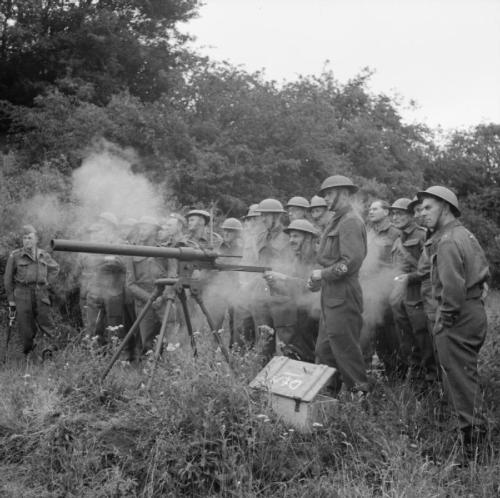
pixel 102 290
pixel 416 343
pixel 28 273
pixel 458 271
pixel 342 250
pixel 297 208
pixel 226 286
pixel 297 328
pixel 272 250
pixel 198 220
pixel 381 237
pixel 142 272
pixel 319 213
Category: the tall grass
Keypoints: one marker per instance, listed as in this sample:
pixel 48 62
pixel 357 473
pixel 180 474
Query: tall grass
pixel 202 432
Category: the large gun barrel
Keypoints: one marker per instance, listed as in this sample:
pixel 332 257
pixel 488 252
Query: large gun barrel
pixel 205 258
pixel 181 253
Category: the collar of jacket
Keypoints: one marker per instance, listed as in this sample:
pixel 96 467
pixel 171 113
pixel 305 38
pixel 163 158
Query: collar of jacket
pixel 382 226
pixel 451 224
pixel 410 228
pixel 30 255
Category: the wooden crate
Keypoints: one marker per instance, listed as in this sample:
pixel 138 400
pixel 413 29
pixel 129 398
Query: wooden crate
pixel 294 388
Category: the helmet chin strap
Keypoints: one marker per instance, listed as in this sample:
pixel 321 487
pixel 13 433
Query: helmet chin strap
pixel 335 200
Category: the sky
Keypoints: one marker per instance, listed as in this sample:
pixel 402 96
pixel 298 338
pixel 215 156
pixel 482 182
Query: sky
pixel 443 54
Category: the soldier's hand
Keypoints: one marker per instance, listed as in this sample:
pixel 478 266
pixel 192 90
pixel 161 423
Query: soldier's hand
pixel 157 303
pixel 315 275
pixel 401 278
pixel 447 319
pixel 273 276
pixel 313 285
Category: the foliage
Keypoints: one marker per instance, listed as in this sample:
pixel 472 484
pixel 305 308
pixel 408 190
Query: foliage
pixel 202 432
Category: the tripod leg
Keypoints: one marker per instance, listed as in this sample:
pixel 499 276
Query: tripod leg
pixel 183 300
pixel 131 332
pixel 159 341
pixel 215 332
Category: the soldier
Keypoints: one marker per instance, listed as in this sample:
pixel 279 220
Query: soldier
pixel 297 208
pixel 198 220
pixel 342 250
pixel 319 213
pixel 458 271
pixel 224 294
pixel 381 336
pixel 126 230
pixel 102 290
pixel 28 273
pixel 141 275
pixel 416 343
pixel 297 329
pixel 109 226
pixel 171 233
pixel 272 250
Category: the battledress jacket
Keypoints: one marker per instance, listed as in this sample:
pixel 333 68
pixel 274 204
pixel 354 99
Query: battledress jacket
pixel 25 270
pixel 341 252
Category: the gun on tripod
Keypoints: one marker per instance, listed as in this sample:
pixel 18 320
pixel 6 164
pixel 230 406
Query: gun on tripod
pixel 191 259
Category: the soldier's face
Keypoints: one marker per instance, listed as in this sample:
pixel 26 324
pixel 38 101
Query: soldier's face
pixel 29 240
pixel 195 222
pixel 229 236
pixel 331 196
pixel 400 218
pixel 431 212
pixel 296 239
pixel 376 212
pixel 418 215
pixel 296 213
pixel 269 219
pixel 317 212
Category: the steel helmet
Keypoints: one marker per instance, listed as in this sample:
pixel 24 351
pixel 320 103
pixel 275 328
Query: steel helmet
pixel 401 204
pixel 252 211
pixel 318 201
pixel 338 181
pixel 302 226
pixel 232 224
pixel 270 206
pixel 109 217
pixel 443 194
pixel 28 229
pixel 299 202
pixel 199 212
pixel 412 205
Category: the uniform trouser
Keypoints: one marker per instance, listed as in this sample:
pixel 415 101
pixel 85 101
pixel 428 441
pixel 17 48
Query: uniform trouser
pixel 149 327
pixel 105 319
pixel 244 329
pixel 457 348
pixel 338 345
pixel 388 345
pixel 33 307
pixel 417 350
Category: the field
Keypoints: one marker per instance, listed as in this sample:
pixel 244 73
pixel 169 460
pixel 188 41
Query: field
pixel 203 432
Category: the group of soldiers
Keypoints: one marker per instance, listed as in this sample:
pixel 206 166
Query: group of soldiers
pixel 308 303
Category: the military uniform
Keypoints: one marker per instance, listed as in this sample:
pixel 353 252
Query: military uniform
pixel 272 250
pixel 342 250
pixel 458 272
pixel 141 275
pixel 26 279
pixel 295 311
pixel 383 337
pixel 103 281
pixel 416 342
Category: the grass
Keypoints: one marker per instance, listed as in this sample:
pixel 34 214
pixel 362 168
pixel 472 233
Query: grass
pixel 203 432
